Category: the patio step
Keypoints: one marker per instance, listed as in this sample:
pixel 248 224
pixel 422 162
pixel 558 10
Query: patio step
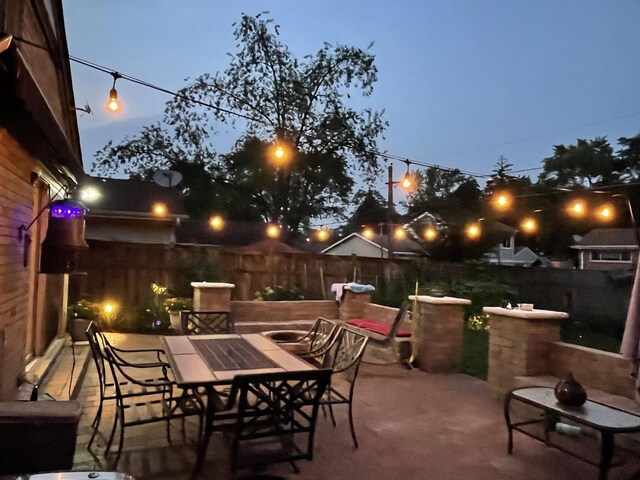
pixel 60 383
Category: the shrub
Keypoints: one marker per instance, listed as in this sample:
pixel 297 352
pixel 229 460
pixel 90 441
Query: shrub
pixel 176 304
pixel 280 293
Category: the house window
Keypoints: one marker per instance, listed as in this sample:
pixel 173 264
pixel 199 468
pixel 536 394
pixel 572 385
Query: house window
pixel 506 243
pixel 611 256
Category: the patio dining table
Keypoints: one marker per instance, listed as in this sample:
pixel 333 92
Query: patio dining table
pixel 214 360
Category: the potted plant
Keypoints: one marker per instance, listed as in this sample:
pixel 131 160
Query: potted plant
pixel 174 306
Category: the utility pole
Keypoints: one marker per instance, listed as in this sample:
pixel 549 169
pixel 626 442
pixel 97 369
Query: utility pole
pixel 390 212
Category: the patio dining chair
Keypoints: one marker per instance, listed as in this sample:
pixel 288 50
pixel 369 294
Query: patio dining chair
pixel 205 322
pixel 274 417
pixel 317 339
pixel 343 358
pixel 141 410
pixel 153 357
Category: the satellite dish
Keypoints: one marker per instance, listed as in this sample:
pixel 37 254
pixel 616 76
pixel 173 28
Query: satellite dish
pixel 167 178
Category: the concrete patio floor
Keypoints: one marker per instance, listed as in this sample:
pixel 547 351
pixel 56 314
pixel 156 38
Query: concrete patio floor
pixel 410 425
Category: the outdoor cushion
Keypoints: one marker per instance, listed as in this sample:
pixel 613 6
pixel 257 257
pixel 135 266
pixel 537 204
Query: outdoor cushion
pixel 377 327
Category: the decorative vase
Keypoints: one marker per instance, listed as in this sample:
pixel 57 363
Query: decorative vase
pixel 569 392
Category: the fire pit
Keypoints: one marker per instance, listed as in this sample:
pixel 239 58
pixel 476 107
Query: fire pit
pixel 289 339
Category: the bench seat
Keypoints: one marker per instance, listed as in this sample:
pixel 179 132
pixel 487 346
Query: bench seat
pixel 377 327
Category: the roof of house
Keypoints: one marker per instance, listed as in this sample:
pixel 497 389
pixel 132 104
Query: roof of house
pixel 608 237
pixel 380 241
pixel 131 197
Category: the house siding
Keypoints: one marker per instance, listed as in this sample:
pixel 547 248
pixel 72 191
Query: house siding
pixel 16 205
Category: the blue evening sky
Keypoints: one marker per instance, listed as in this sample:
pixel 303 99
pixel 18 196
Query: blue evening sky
pixel 462 81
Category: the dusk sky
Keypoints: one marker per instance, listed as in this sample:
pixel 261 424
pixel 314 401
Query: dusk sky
pixel 462 82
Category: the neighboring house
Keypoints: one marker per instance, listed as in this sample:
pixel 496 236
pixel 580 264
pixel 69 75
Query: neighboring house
pixel 376 247
pixel 607 249
pixel 124 211
pixel 39 158
pixel 507 254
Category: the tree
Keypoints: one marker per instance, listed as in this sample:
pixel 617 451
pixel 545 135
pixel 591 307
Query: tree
pixel 629 154
pixel 434 185
pixel 372 209
pixel 502 179
pixel 274 95
pixel 588 163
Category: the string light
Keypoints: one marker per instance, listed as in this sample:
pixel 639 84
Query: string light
pixel 606 213
pixel 577 208
pixel 473 231
pixel 216 222
pixel 113 103
pixel 502 201
pixel 273 231
pixel 429 234
pixel 529 225
pixel 323 234
pixel 400 233
pixel 159 209
pixel 368 233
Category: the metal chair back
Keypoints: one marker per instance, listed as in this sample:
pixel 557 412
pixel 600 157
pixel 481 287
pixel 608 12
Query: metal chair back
pixel 205 322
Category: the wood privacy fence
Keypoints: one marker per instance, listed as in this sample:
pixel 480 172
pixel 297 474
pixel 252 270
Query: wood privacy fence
pixel 125 271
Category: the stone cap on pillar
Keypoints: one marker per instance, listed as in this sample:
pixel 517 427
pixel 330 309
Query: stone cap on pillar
pixel 440 300
pixel 526 314
pixel 212 285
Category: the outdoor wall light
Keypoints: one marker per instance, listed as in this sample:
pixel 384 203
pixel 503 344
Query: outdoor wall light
pixel 64 241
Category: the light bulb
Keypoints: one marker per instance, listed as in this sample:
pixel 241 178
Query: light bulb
pixel 368 233
pixel 113 104
pixel 430 234
pixel 273 231
pixel 399 233
pixel 216 222
pixel 606 213
pixel 502 201
pixel 323 234
pixel 473 231
pixel 529 225
pixel 159 209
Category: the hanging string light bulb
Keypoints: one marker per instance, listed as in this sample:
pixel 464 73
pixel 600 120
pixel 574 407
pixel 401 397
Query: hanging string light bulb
pixel 368 233
pixel 399 233
pixel 407 182
pixel 502 201
pixel 577 208
pixel 473 231
pixel 216 222
pixel 113 103
pixel 429 234
pixel 273 230
pixel 606 212
pixel 529 225
pixel 323 234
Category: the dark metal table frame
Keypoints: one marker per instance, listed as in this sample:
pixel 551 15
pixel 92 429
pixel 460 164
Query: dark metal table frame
pixel 605 419
pixel 195 373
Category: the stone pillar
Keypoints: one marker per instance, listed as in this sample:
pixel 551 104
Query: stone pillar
pixel 519 344
pixel 352 305
pixel 439 330
pixel 212 296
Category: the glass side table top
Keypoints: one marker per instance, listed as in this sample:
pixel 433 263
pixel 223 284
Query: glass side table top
pixel 591 413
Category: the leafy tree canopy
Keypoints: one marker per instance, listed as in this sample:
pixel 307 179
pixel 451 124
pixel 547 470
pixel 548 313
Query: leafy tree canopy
pixel 274 95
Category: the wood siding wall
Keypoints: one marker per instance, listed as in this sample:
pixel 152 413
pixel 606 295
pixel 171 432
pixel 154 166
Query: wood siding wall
pixel 15 209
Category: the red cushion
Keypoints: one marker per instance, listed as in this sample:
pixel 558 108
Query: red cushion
pixel 377 327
